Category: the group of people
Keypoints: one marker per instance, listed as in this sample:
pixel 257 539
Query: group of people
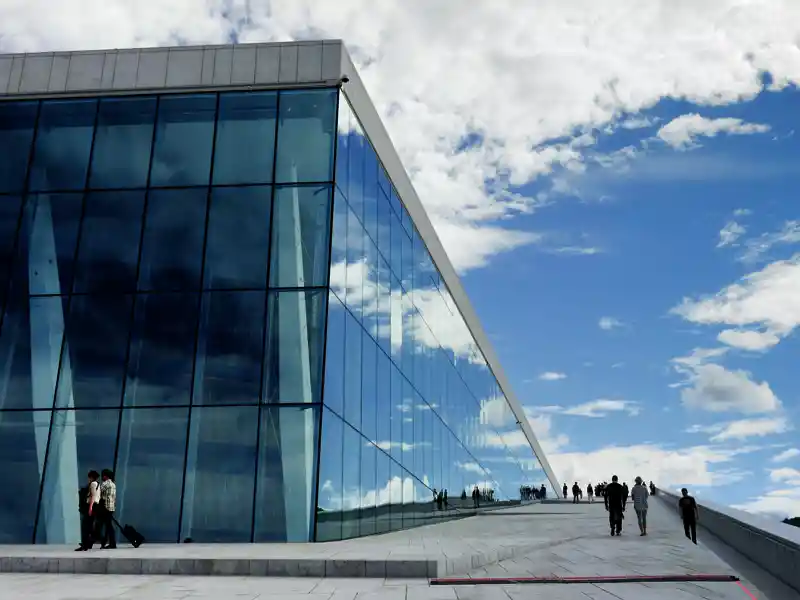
pixel 598 491
pixel 527 492
pixel 616 501
pixel 97 502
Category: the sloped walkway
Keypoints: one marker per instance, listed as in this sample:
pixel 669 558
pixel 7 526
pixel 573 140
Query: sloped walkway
pixel 560 540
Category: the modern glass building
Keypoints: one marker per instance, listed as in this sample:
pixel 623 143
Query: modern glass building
pixel 217 279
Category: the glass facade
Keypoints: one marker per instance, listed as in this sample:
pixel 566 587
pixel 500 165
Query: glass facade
pixel 222 297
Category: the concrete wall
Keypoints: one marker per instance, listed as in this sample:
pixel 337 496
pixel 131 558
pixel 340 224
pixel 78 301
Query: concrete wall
pixel 770 544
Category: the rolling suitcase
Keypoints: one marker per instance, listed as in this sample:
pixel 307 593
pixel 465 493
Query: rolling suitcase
pixel 129 532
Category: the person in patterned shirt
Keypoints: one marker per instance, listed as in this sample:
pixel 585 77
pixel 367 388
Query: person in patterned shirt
pixel 108 504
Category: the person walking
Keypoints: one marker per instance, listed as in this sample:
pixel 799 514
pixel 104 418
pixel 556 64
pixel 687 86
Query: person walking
pixel 108 505
pixel 89 498
pixel 590 493
pixel 639 496
pixel 576 493
pixel 690 515
pixel 564 489
pixel 615 505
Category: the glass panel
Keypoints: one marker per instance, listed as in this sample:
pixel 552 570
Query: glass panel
pixel 286 474
pixel 30 344
pixel 93 361
pixel 329 497
pixel 355 180
pixel 123 141
pixel 369 493
pixel 383 402
pixel 23 439
pixel 46 247
pixel 230 348
pixel 17 121
pixel 306 128
pixel 63 145
pixel 369 405
pixel 300 237
pixel 371 193
pixel 237 249
pixel 357 266
pixel 344 119
pixel 80 441
pixel 10 207
pixel 245 146
pixel 162 350
pixel 351 483
pixel 184 137
pixel 109 244
pixel 172 245
pixel 383 512
pixel 220 469
pixel 295 337
pixel 152 448
pixel 334 356
pixel 352 371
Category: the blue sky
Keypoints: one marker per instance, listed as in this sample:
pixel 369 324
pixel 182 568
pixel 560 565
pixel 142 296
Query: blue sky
pixel 656 226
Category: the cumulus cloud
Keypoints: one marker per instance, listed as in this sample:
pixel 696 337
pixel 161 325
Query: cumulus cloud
pixel 552 376
pixel 786 455
pixel 743 428
pixel 681 132
pixel 711 387
pixel 767 302
pixel 731 232
pixel 556 68
pixel 609 323
pixel 668 468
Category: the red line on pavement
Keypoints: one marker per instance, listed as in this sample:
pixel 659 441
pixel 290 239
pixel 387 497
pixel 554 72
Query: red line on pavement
pixel 585 579
pixel 745 590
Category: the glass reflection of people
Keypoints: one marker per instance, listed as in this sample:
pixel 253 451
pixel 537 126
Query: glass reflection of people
pixel 88 499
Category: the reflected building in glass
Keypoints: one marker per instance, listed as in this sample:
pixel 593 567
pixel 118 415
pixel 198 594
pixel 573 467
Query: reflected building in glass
pixel 217 280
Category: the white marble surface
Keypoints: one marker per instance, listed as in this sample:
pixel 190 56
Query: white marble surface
pixel 572 541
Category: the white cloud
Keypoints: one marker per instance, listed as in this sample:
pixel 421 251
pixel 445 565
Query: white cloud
pixel 743 428
pixel 785 475
pixel 742 212
pixel 758 247
pixel 639 122
pixel 788 454
pixel 746 339
pixel 782 503
pixel 553 66
pixel 711 387
pixel 609 323
pixel 731 232
pixel 766 301
pixel 601 407
pixel 681 132
pixel 552 376
pixel 716 389
pixel 693 466
pixel 473 467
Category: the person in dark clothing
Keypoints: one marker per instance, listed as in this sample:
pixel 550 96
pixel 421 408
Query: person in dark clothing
pixel 689 513
pixel 615 505
pixel 626 490
pixel 576 492
pixel 565 491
